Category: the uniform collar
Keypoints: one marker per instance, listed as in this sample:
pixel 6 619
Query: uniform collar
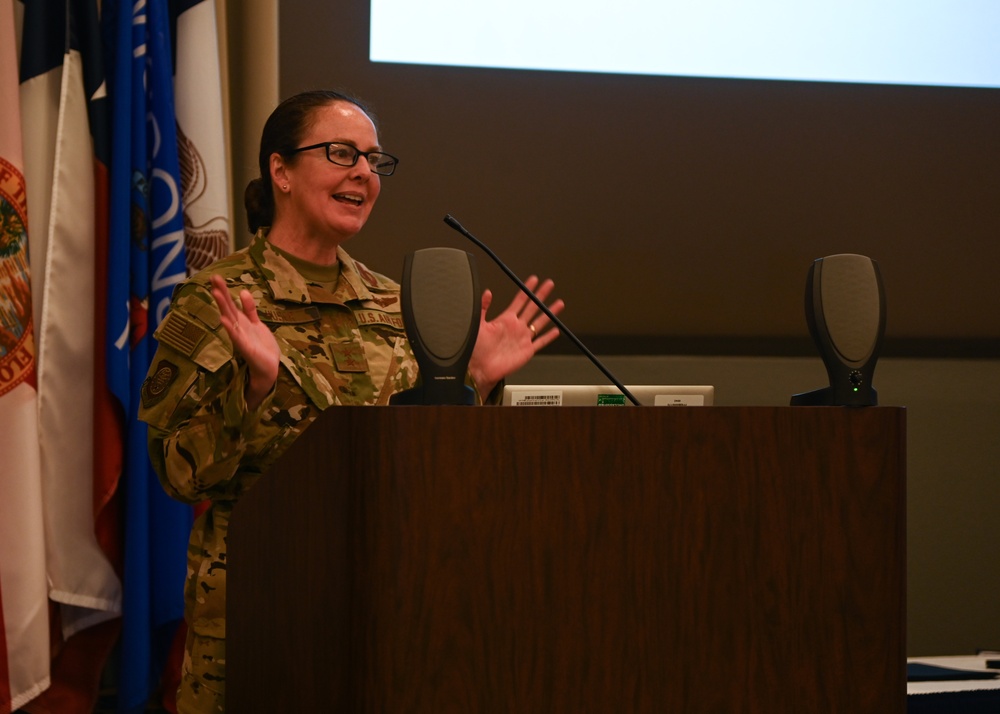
pixel 356 281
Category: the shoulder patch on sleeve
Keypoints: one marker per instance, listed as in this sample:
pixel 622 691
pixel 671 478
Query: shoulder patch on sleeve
pixel 156 385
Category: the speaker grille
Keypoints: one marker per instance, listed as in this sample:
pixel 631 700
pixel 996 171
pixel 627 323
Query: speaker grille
pixel 850 295
pixel 441 294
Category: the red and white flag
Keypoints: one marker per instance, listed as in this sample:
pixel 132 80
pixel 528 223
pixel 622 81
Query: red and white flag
pixel 63 205
pixel 24 622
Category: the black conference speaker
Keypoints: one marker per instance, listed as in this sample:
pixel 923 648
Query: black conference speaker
pixel 845 309
pixel 441 310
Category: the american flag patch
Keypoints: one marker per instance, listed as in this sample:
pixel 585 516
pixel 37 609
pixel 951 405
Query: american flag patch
pixel 182 334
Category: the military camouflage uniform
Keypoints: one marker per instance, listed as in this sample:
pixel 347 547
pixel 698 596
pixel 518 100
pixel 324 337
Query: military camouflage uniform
pixel 345 347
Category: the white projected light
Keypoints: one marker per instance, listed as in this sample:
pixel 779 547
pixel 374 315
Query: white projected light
pixel 928 42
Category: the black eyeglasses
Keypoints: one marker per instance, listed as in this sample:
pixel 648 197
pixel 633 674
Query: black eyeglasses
pixel 380 162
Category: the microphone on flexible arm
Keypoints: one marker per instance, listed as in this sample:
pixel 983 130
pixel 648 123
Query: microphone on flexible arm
pixel 453 223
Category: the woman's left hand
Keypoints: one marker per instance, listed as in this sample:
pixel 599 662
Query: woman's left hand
pixel 509 341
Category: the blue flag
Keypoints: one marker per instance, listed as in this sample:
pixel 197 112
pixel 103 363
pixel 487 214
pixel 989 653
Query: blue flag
pixel 146 261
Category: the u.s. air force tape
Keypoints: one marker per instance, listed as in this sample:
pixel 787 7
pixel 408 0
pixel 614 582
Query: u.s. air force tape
pixel 156 384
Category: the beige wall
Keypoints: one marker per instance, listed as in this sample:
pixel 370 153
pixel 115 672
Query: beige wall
pixel 250 36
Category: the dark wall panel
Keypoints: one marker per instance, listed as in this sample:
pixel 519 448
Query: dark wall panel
pixel 669 207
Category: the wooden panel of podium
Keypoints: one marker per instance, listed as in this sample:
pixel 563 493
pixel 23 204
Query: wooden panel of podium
pixel 460 559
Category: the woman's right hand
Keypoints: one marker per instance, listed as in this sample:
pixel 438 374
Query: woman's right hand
pixel 251 339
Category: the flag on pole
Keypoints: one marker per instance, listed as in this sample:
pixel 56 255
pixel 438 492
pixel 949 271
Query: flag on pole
pixel 60 154
pixel 66 144
pixel 201 139
pixel 24 624
pixel 146 261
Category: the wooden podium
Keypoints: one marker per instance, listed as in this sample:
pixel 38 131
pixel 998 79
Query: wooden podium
pixel 461 559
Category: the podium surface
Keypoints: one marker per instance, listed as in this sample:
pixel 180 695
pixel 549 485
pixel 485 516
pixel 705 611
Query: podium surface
pixel 460 559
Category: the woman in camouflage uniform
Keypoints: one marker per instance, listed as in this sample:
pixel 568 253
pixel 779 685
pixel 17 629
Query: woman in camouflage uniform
pixel 257 345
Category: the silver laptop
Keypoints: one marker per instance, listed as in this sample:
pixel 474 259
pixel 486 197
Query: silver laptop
pixel 584 395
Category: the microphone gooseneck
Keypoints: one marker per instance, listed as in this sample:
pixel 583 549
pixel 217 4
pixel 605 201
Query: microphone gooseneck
pixel 453 223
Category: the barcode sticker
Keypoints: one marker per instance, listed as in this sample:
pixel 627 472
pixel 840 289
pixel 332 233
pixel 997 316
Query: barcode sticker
pixel 538 398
